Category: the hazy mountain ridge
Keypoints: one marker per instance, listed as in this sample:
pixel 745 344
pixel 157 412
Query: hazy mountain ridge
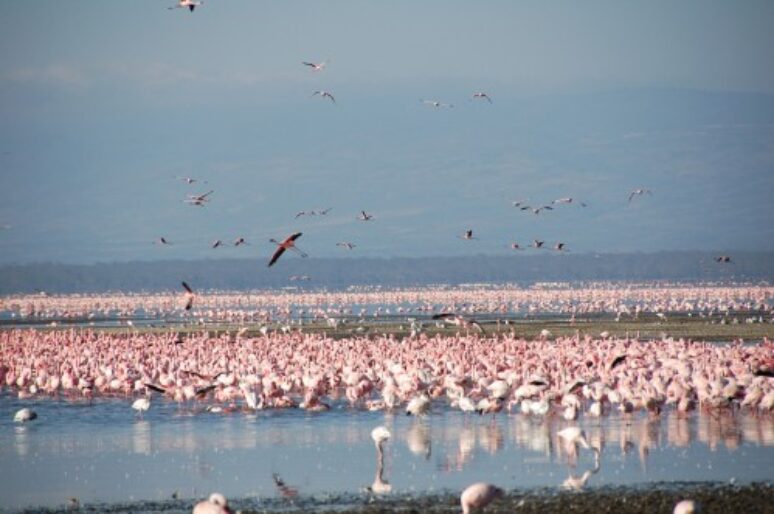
pixel 246 274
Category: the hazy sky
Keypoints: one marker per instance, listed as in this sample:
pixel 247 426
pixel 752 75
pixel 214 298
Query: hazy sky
pixel 103 104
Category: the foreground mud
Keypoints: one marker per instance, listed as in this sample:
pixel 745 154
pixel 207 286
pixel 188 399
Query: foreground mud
pixel 652 498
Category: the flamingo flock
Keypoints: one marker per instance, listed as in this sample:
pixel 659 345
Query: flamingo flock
pixel 566 376
pixel 624 301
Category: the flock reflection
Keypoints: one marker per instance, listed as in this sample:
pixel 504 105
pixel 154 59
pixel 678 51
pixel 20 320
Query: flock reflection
pixel 439 449
pixel 460 437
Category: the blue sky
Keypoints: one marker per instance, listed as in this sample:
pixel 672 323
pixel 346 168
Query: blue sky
pixel 103 104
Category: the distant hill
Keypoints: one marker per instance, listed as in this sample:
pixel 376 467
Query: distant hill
pixel 245 274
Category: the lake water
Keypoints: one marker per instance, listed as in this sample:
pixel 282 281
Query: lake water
pixel 104 453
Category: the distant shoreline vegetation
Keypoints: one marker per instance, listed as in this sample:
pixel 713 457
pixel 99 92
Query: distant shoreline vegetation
pixel 340 273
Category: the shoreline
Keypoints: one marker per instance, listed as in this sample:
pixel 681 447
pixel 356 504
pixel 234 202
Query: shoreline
pixel 659 497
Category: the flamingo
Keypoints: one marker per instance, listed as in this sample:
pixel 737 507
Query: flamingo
pixel 723 259
pixel 141 405
pixel 288 243
pixel 324 94
pixel 199 199
pixel 482 95
pixel 285 490
pixel 346 244
pixel 436 104
pixel 478 496
pixel 189 296
pixel 687 507
pixel 457 320
pixel 163 241
pixel 639 192
pixel 542 208
pixel 419 405
pixel 380 435
pixel 216 504
pixel 24 415
pixel 189 180
pixel 364 216
pixel 316 66
pixel 190 4
pixel 468 235
pixel 217 243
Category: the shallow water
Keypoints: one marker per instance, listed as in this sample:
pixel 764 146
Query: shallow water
pixel 103 453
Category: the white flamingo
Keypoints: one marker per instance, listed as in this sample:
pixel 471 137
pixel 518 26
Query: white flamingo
pixel 190 4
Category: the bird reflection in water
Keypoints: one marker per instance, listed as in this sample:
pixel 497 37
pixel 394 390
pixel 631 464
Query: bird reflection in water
pixel 21 441
pixel 418 438
pixel 570 438
pixel 141 437
pixel 465 447
pixel 491 438
pixel 578 483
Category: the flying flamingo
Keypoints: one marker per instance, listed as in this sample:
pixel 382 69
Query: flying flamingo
pixel 162 241
pixel 216 504
pixel 482 95
pixel 288 244
pixel 315 66
pixel 468 235
pixel 478 496
pixel 436 104
pixel 723 259
pixel 191 4
pixel 189 296
pixel 189 180
pixel 364 216
pixel 639 192
pixel 198 199
pixel 324 94
pixel 459 321
pixel 346 244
